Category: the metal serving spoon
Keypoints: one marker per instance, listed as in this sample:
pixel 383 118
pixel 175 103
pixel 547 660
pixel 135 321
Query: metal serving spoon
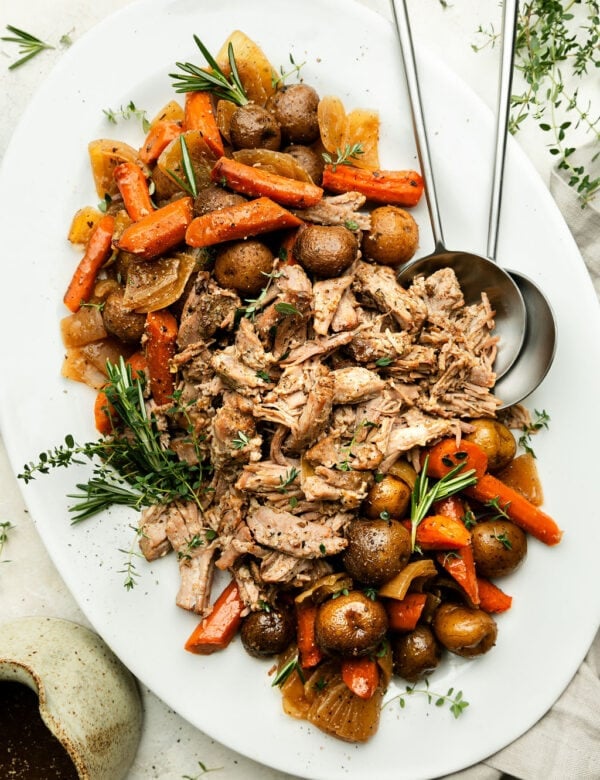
pixel 510 297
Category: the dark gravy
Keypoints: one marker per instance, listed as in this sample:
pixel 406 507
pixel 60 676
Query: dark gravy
pixel 28 751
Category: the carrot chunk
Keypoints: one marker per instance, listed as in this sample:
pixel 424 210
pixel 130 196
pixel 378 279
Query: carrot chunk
pixel 257 182
pixel 460 564
pixel 161 330
pixel 404 614
pixel 261 215
pixel 310 652
pixel 200 116
pixel 491 597
pixel 97 252
pixel 397 188
pixel 159 231
pixel 217 630
pixel 361 675
pixel 132 184
pixel 159 137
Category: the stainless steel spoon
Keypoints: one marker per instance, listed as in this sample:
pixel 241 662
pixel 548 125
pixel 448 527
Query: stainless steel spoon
pixel 475 273
pixel 539 346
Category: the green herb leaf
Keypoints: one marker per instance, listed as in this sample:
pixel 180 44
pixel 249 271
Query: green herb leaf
pixel 195 79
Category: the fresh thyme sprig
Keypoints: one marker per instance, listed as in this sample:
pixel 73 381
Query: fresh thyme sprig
pixel 254 305
pixel 29 45
pixel 127 112
pixel 285 482
pixel 195 79
pixel 344 156
pixel 204 770
pixel 551 40
pixel 455 700
pixel 131 467
pixel 5 527
pixel 424 495
pixel 295 70
pixel 540 421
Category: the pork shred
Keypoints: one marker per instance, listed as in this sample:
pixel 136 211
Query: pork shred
pixel 296 407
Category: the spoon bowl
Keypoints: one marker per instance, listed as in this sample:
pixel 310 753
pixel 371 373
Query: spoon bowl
pixel 524 320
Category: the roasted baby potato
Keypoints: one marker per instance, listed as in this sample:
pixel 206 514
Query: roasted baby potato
pixel 499 547
pixel 326 250
pixel 242 265
pixel 465 631
pixel 377 550
pixel 415 653
pixel 496 439
pixel 265 633
pixel 390 496
pixel 393 238
pixel 295 108
pixel 253 127
pixel 350 625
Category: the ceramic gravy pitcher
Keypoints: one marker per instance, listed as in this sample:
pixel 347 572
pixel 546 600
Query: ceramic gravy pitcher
pixel 87 699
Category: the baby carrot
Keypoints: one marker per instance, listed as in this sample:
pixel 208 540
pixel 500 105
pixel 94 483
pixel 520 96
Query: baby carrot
pixel 398 188
pixel 97 252
pixel 361 675
pixel 161 332
pixel 199 115
pixel 404 614
pixel 445 455
pixel 132 184
pixel 257 182
pixel 310 652
pixel 438 532
pixel 217 630
pixel 261 215
pixel 159 137
pixel 460 564
pixel 159 231
pixel 491 597
pixel 522 512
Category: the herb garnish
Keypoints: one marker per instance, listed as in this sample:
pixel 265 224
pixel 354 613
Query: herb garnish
pixel 28 45
pixel 131 467
pixel 5 527
pixel 423 496
pixel 277 80
pixel 240 441
pixel 293 665
pixel 195 79
pixel 189 184
pixel 455 700
pixel 344 156
pixel 541 421
pixel 285 482
pixel 127 112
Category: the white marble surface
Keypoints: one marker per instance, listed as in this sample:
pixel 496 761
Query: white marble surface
pixel 29 583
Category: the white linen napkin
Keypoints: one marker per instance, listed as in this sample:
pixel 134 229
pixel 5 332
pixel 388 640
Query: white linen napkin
pixel 565 743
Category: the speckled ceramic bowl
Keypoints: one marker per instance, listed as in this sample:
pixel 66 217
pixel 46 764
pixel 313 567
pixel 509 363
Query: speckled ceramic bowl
pixel 87 698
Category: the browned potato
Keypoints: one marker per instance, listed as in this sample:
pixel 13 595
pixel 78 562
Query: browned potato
pixel 496 439
pixel 350 625
pixel 499 547
pixel 463 630
pixel 267 633
pixel 126 325
pixel 393 238
pixel 253 127
pixel 391 496
pixel 415 653
pixel 326 250
pixel 311 161
pixel 214 197
pixel 295 108
pixel 377 550
pixel 242 266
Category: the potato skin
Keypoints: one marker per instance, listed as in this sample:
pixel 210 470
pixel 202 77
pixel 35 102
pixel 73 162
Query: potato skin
pixel 253 127
pixel 242 265
pixel 213 197
pixel 496 439
pixel 126 325
pixel 312 162
pixel 499 547
pixel 350 625
pixel 326 250
pixel 295 108
pixel 377 550
pixel 464 631
pixel 390 495
pixel 415 653
pixel 264 634
pixel 393 238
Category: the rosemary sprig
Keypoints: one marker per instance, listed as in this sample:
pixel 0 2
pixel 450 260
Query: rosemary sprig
pixel 131 467
pixel 286 670
pixel 29 45
pixel 189 184
pixel 424 495
pixel 195 79
pixel 344 156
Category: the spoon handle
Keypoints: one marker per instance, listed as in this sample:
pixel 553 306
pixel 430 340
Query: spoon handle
pixel 402 24
pixel 510 9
